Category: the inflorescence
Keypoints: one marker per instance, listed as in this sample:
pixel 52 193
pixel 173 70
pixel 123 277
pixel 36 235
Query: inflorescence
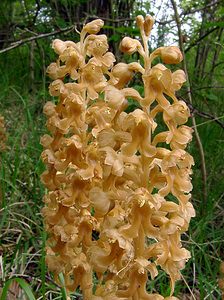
pixel 119 187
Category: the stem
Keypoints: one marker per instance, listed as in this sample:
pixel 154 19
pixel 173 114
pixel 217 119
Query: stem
pixel 146 48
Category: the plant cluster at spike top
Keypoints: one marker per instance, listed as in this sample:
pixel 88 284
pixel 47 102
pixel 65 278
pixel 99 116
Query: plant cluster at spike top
pixel 108 211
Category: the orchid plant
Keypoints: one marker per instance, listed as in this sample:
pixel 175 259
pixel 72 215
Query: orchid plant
pixel 119 189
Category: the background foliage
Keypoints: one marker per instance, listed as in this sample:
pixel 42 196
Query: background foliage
pixel 27 28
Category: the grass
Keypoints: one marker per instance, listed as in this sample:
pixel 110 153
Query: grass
pixel 22 240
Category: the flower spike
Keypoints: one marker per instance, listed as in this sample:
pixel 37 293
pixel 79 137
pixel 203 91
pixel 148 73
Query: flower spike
pixel 119 188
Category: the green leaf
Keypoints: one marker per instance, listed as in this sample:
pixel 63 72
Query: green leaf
pixel 23 284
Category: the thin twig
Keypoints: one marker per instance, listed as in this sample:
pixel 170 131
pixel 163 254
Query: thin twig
pixel 197 137
pixel 208 87
pixel 185 13
pixel 208 116
pixel 189 289
pixel 200 38
pixel 108 19
pixel 189 12
pixel 203 114
pixel 37 37
pixel 203 123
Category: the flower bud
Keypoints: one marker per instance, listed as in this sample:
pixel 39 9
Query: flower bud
pixel 140 21
pixel 94 26
pixel 178 78
pixel 122 74
pixel 59 46
pixel 170 55
pixel 129 45
pixel 148 24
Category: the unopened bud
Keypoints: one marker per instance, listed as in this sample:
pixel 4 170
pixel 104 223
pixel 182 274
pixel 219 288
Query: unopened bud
pixel 122 73
pixel 59 46
pixel 129 45
pixel 178 78
pixel 148 24
pixel 170 55
pixel 139 21
pixel 94 26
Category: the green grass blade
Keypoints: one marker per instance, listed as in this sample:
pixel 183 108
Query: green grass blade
pixel 63 290
pixel 23 284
